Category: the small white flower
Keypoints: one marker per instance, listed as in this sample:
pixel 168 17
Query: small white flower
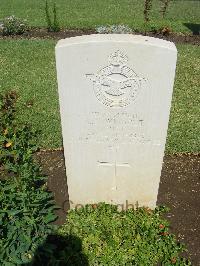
pixel 114 29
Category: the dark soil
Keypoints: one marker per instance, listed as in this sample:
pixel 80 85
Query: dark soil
pixel 179 190
pixel 44 34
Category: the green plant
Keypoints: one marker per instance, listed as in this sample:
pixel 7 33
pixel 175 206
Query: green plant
pixel 26 207
pixel 48 18
pixel 56 26
pixel 52 25
pixel 120 29
pixel 13 25
pixel 165 5
pixel 17 143
pixel 111 237
pixel 147 9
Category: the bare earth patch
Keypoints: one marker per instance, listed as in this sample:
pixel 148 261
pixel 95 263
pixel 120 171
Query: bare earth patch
pixel 179 190
pixel 42 33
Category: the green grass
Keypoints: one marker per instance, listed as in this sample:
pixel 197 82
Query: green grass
pixel 184 126
pixel 90 13
pixel 28 66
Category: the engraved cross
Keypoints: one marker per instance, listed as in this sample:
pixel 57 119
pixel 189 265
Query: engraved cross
pixel 116 166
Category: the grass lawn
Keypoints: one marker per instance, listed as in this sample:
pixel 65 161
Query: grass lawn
pixel 90 13
pixel 28 66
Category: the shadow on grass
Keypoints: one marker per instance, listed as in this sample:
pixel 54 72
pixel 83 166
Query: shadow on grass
pixel 194 27
pixel 60 251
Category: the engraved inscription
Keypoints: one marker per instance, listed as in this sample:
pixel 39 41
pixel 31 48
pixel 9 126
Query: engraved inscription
pixel 121 127
pixel 116 85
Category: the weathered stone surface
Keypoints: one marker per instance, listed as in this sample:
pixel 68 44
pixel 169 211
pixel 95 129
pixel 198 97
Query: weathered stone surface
pixel 115 95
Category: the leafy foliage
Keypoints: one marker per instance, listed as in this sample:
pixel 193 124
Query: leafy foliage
pixel 165 4
pixel 147 9
pixel 13 25
pixel 148 5
pixel 52 25
pixel 120 29
pixel 132 237
pixel 26 207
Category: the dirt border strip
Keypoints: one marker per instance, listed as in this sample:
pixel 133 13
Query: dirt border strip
pixel 42 33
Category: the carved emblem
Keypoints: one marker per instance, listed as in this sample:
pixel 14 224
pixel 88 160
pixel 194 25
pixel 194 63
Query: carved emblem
pixel 116 85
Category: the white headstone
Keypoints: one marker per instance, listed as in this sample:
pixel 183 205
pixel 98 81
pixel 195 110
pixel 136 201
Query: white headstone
pixel 115 95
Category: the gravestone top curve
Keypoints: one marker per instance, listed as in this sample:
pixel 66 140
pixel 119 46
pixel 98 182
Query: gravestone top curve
pixel 116 38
